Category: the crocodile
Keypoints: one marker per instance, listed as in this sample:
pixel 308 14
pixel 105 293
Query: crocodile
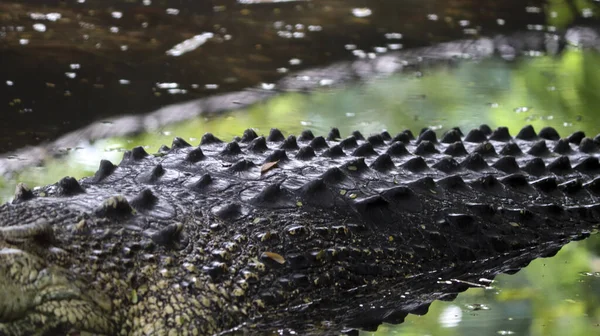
pixel 276 234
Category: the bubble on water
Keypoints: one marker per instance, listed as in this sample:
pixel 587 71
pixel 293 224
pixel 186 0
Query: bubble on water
pixel 450 317
pixel 117 15
pixel 40 27
pixel 172 11
pixel 361 12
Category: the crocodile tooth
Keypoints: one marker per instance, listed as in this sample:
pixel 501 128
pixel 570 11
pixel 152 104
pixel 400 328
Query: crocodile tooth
pixel 415 165
pixel 571 186
pixel 135 154
pixel 426 147
pixel 242 165
pixel 334 152
pixel 409 133
pixel 456 149
pixel 273 196
pixel 22 193
pixel 258 145
pixel 587 145
pixel 305 153
pixel 576 137
pixel 229 211
pixel 485 129
pixel 154 175
pixel 334 134
pixel 475 135
pixel 539 149
pixel 487 182
pixel 169 235
pixel 546 184
pixel 386 135
pixel 424 183
pixel 318 143
pixel 194 155
pixel 69 186
pixel 316 192
pixel 365 149
pixel 450 137
pixel 202 183
pixel 527 133
pixel 333 175
pixel 549 133
pixel 397 149
pixel 512 149
pixel 374 208
pixel 427 135
pixel 104 170
pixel 306 135
pixel 179 143
pixel 209 139
pixel 535 167
pixel 482 209
pixel 358 136
pixel 446 165
pixel 356 166
pixel 464 222
pixel 289 143
pixel 349 142
pixel 232 148
pixel 515 180
pixel 588 165
pixel 383 163
pixel 249 135
pixel 376 140
pixel 474 162
pixel 485 149
pixel 561 165
pixel 275 135
pixel 401 137
pixel 277 155
pixel 594 186
pixel 507 164
pixel 144 200
pixel 562 147
pixel 501 134
pixel 114 207
pixel 453 182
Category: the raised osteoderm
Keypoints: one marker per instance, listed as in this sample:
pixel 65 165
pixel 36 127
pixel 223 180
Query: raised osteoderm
pixel 304 233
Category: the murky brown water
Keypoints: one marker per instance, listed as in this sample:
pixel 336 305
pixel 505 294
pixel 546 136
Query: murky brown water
pixel 67 63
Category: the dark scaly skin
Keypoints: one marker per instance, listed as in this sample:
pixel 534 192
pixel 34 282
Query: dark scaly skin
pixel 218 238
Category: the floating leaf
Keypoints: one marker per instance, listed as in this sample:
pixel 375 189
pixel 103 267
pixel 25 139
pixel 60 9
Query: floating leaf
pixel 268 166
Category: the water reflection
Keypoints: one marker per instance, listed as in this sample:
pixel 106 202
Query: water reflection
pixel 124 48
pixel 553 296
